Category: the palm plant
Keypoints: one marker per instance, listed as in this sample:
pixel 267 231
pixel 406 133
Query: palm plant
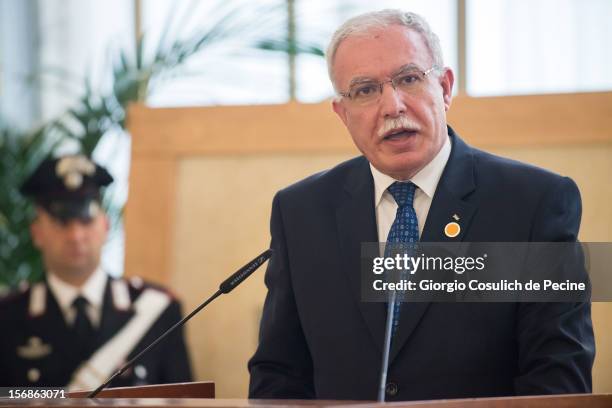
pixel 136 73
pixel 133 75
pixel 20 154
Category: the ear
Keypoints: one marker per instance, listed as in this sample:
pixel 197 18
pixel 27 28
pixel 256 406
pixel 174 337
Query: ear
pixel 340 109
pixel 447 79
pixel 106 223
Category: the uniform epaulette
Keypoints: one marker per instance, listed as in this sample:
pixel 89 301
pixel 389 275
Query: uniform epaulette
pixel 139 284
pixel 15 295
pixel 120 294
pixel 21 293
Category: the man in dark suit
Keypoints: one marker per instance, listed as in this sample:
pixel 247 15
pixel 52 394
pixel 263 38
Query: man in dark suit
pixel 318 339
pixel 79 325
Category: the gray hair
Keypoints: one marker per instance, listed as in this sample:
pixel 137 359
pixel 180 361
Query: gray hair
pixel 363 23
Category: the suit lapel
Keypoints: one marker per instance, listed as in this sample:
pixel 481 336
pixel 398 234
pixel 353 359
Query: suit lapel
pixel 456 183
pixel 448 204
pixel 356 223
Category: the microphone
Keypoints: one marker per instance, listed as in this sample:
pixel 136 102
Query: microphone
pixel 225 287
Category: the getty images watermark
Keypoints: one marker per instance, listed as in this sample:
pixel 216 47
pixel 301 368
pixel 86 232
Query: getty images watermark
pixel 487 272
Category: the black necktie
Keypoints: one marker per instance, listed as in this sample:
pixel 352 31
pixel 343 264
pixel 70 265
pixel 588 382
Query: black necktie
pixel 83 330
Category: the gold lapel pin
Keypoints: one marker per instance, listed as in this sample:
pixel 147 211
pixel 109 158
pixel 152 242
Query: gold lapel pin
pixel 452 229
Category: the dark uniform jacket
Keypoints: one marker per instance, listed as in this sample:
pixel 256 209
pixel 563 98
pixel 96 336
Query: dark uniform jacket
pixel 319 340
pixel 38 351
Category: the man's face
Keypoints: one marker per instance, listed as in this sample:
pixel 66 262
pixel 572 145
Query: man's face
pixel 72 249
pixel 399 151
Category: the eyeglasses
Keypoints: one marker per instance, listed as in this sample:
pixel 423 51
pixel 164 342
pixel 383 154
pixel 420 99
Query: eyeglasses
pixel 410 80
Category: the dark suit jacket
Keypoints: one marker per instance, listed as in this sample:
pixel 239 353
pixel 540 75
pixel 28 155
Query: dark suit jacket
pixel 166 363
pixel 318 340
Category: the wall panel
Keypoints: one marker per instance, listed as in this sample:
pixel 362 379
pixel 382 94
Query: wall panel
pixel 202 182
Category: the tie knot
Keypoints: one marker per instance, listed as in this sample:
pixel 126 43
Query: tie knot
pixel 80 303
pixel 403 193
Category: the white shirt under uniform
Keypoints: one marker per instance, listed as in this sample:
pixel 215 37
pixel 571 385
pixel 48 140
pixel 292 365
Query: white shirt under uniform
pixel 92 291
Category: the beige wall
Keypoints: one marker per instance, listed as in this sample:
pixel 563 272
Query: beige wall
pixel 222 221
pixel 203 180
pixel 591 168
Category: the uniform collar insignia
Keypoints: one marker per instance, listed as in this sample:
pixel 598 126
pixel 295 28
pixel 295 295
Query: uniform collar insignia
pixel 121 295
pixel 38 300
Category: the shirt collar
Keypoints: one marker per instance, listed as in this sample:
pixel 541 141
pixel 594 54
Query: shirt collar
pixel 426 179
pixel 92 290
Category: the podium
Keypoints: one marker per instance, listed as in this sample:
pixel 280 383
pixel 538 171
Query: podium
pixel 181 395
pixel 556 401
pixel 201 395
pixel 553 401
pixel 201 389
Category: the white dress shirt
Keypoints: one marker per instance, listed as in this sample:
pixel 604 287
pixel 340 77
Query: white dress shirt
pixel 426 181
pixel 92 290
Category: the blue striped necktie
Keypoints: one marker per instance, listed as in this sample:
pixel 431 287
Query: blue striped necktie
pixel 404 230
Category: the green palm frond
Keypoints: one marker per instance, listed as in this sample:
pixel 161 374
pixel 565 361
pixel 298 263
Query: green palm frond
pixel 20 154
pixel 134 74
pixel 291 47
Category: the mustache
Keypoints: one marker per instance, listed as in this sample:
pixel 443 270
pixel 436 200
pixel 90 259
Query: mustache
pixel 397 123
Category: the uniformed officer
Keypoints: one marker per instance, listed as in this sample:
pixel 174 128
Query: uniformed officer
pixel 79 325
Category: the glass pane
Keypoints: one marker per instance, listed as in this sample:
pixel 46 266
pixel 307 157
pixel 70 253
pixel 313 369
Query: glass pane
pixel 79 38
pixel 317 20
pixel 525 47
pixel 230 70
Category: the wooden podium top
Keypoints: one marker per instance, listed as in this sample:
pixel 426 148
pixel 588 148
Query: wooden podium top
pixel 198 389
pixel 170 402
pixel 553 401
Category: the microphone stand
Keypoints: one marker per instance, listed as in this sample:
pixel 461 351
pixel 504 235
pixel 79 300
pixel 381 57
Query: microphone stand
pixel 226 286
pixel 386 347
